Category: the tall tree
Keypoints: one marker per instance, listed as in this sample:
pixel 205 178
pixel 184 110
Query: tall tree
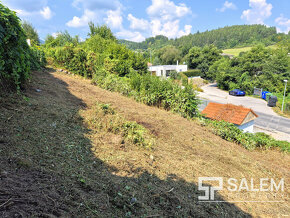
pixel 169 55
pixel 31 32
pixel 104 31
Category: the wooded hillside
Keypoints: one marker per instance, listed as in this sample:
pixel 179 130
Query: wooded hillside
pixel 226 37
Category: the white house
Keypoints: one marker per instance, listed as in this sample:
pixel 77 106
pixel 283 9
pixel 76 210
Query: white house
pixel 164 70
pixel 243 118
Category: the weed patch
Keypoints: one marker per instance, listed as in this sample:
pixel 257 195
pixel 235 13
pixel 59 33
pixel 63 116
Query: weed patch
pixel 103 117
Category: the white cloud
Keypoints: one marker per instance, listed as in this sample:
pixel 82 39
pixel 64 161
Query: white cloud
pixel 165 18
pixel 30 8
pixel 138 24
pixel 27 5
pixel 114 19
pixel 167 10
pixel 284 24
pixel 131 36
pixel 97 4
pixel 187 31
pixel 22 13
pixel 46 13
pixel 227 5
pixel 83 20
pixel 97 11
pixel 55 34
pixel 260 10
pixel 169 29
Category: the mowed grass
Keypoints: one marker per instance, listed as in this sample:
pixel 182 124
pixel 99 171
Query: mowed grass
pixel 64 152
pixel 237 51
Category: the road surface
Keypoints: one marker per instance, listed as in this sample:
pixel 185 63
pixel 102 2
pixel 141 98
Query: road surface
pixel 267 119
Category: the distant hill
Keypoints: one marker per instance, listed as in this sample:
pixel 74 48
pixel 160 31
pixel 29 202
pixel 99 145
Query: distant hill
pixel 152 42
pixel 226 37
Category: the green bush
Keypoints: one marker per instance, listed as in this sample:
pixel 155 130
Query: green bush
pixel 123 71
pixel 151 90
pixel 16 57
pixel 174 75
pixel 192 73
pixel 230 132
pixel 184 79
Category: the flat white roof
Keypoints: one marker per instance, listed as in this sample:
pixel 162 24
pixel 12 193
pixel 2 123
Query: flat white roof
pixel 168 65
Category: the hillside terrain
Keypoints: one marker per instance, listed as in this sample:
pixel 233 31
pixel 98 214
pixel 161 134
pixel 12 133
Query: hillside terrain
pixel 237 51
pixel 58 159
pixel 94 134
pixel 222 38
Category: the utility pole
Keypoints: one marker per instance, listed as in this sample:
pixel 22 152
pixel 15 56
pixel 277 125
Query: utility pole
pixel 284 94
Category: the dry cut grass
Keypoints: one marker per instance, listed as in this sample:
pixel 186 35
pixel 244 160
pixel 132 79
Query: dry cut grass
pixel 65 158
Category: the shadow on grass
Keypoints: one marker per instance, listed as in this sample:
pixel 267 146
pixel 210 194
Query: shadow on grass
pixel 48 168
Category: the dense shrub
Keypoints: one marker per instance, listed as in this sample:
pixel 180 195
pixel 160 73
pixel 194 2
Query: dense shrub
pixel 230 132
pixel 151 91
pixel 184 79
pixel 174 75
pixel 84 60
pixel 16 57
pixel 192 73
pixel 260 67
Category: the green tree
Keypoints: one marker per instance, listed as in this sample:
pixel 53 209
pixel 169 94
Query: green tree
pixel 104 31
pixel 61 39
pixel 169 55
pixel 278 62
pixel 31 33
pixel 194 57
pixel 203 58
pixel 254 60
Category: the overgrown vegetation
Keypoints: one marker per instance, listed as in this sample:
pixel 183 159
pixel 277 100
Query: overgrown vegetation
pixel 193 73
pixel 152 91
pixel 17 59
pixel 106 119
pixel 114 67
pixel 30 33
pixel 260 67
pixel 230 132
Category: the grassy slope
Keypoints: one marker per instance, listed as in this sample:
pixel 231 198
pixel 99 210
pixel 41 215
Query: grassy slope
pixel 237 51
pixel 55 161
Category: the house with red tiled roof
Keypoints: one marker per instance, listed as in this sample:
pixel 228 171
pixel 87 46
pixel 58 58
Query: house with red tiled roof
pixel 242 117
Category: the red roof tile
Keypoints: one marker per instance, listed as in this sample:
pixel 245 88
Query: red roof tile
pixel 227 112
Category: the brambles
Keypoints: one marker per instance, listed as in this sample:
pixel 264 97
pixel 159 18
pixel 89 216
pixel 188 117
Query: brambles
pixel 16 57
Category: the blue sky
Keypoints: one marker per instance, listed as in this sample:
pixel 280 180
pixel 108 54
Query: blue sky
pixel 138 19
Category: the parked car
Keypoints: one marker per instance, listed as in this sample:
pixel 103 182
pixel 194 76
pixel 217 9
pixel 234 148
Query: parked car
pixel 237 92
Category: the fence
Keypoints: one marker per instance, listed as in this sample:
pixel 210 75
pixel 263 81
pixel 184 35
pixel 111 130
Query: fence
pixel 258 91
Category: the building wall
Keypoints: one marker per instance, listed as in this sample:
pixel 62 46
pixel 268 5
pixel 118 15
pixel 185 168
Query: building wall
pixel 163 69
pixel 247 127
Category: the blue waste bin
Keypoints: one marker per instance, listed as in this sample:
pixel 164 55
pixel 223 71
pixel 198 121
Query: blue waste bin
pixel 264 94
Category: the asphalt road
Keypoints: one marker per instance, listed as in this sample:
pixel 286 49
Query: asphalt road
pixel 267 119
